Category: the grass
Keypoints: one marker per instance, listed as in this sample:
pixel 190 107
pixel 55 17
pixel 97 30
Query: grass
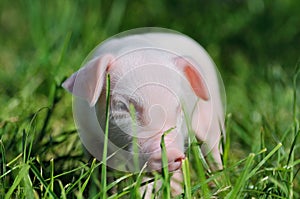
pixel 40 153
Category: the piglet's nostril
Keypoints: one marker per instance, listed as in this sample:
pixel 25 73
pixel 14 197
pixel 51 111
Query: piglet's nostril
pixel 179 159
pixel 176 164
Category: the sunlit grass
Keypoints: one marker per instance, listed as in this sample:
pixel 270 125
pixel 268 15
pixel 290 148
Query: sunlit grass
pixel 27 171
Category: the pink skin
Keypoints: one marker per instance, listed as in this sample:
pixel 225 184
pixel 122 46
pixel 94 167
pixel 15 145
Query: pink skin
pixel 159 112
pixel 150 80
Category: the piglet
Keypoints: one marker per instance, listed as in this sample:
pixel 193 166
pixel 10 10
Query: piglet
pixel 160 80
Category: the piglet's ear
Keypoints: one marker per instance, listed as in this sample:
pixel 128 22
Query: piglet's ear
pixel 193 76
pixel 87 83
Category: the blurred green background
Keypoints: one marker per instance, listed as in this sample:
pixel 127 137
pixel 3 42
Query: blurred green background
pixel 254 43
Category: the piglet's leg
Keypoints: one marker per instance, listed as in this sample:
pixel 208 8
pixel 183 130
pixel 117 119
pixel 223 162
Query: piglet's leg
pixel 177 183
pixel 206 125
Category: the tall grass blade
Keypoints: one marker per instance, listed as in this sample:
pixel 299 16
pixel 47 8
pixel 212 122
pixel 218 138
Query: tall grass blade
pixel 227 142
pixel 28 190
pixel 92 168
pixel 20 176
pixel 138 182
pixel 135 148
pixel 104 155
pixel 52 174
pixel 186 179
pixel 166 190
pixel 236 191
pixel 200 170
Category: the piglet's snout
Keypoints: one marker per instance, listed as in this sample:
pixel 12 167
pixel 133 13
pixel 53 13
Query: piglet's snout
pixel 174 156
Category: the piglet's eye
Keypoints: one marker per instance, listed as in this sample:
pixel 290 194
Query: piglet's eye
pixel 120 106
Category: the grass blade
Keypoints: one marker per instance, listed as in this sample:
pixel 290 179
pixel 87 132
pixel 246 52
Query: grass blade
pixel 104 155
pixel 200 170
pixel 165 170
pixel 92 168
pixel 264 160
pixel 227 142
pixel 235 192
pixel 42 181
pixel 51 184
pixel 20 176
pixel 135 148
pixel 63 191
pixel 186 178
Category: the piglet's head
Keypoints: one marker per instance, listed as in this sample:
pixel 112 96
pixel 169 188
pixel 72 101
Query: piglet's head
pixel 90 79
pixel 144 84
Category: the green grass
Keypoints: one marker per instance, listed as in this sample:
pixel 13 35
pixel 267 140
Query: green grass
pixel 44 42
